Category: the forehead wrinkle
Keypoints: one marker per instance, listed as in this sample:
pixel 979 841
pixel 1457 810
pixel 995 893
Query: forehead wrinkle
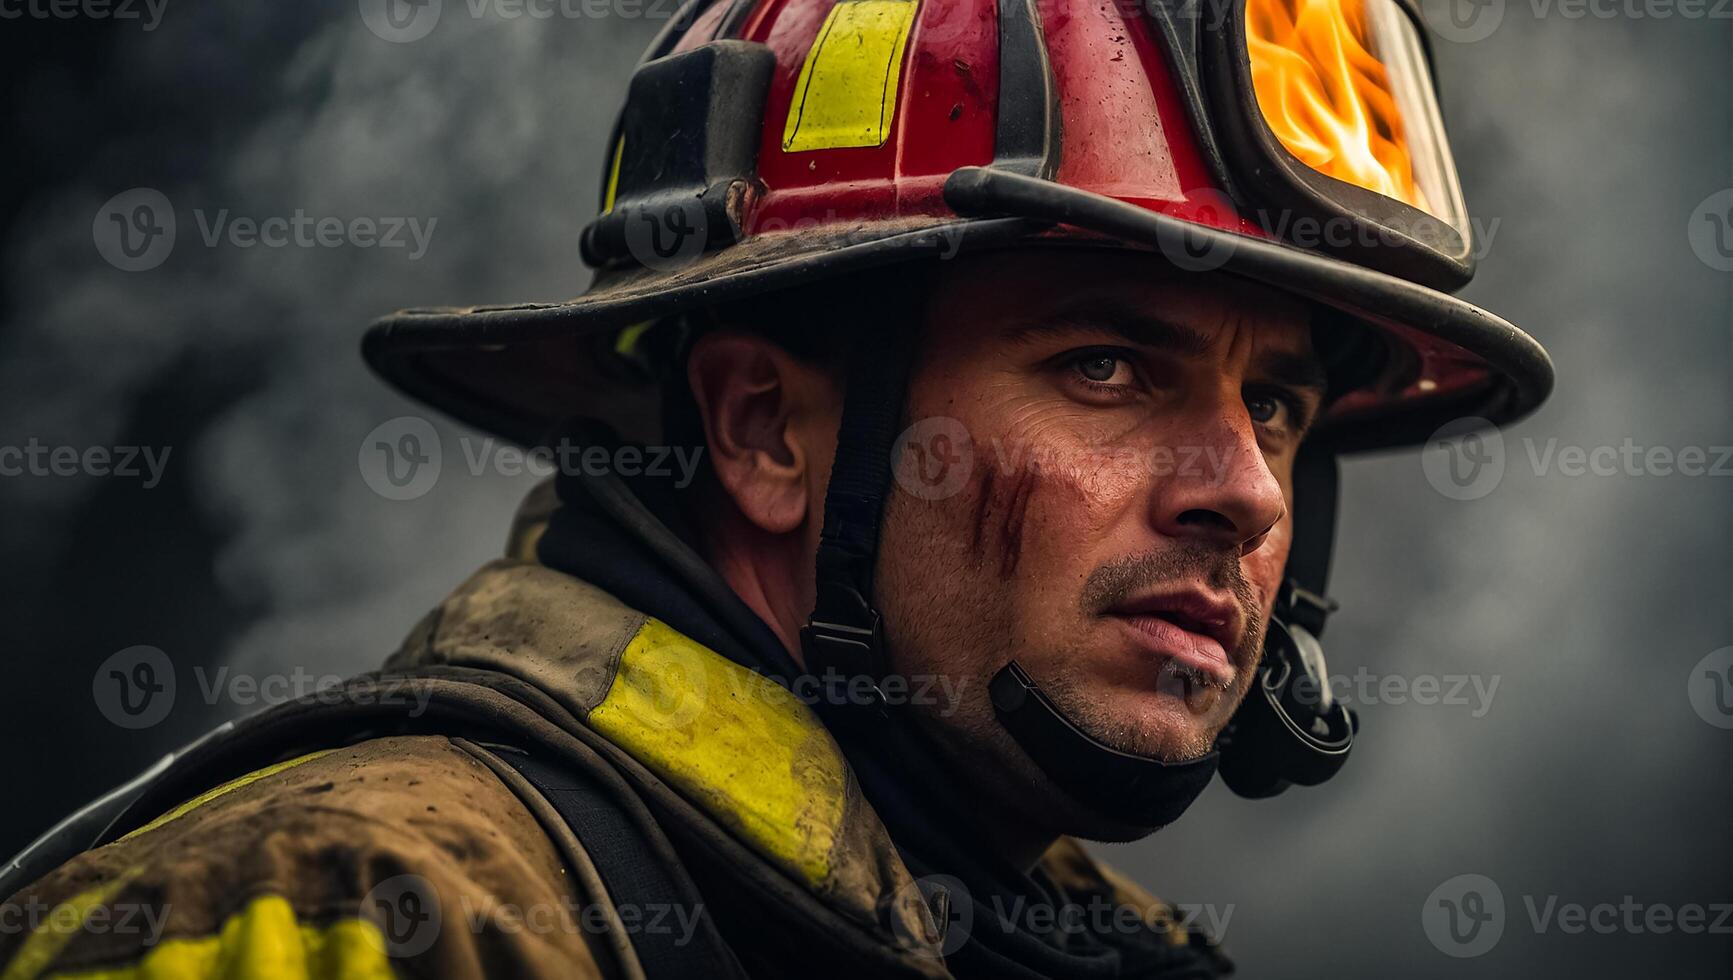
pixel 1130 321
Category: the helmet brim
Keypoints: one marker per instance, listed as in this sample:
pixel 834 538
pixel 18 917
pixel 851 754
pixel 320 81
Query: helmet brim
pixel 520 371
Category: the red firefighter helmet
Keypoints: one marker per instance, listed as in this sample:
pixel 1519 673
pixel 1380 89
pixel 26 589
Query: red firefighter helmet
pixel 770 143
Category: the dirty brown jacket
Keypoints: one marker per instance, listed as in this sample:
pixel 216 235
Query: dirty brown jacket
pixel 347 839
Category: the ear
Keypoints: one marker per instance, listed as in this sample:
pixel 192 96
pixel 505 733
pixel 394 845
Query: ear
pixel 762 411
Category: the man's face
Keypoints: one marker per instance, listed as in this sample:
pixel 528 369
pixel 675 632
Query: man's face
pixel 1101 493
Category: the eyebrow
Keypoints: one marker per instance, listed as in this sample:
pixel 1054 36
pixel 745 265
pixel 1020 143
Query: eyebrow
pixel 1144 329
pixel 1292 369
pixel 1136 326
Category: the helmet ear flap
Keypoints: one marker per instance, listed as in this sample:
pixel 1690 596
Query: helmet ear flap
pixel 1289 730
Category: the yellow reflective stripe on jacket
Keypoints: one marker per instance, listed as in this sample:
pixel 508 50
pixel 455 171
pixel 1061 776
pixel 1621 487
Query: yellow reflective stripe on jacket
pixel 228 787
pixel 262 941
pixel 734 742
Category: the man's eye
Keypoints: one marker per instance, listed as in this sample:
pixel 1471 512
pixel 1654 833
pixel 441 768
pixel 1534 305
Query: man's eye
pixel 1273 411
pixel 1263 408
pixel 1105 369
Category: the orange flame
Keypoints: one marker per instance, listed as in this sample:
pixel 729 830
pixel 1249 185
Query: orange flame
pixel 1326 96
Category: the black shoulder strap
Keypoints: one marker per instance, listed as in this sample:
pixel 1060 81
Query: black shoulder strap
pixel 659 908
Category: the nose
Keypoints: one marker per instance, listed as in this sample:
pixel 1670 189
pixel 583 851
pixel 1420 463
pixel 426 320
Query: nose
pixel 1222 492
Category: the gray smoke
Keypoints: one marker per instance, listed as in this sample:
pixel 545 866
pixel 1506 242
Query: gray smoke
pixel 488 131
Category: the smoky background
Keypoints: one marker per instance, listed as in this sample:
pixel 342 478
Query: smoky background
pixel 1586 146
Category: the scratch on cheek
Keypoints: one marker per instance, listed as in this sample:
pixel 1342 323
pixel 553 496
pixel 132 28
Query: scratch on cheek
pixel 1011 528
pixel 983 505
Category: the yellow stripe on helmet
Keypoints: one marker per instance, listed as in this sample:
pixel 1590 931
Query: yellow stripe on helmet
pixel 847 92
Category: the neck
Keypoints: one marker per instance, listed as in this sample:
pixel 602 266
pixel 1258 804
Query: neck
pixel 760 568
pixel 757 567
pixel 1019 846
pixel 990 797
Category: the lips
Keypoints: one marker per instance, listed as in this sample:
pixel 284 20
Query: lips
pixel 1197 629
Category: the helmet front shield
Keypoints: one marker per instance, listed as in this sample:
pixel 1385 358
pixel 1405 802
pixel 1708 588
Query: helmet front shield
pixel 1327 111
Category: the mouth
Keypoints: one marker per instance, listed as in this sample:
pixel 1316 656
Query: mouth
pixel 1191 629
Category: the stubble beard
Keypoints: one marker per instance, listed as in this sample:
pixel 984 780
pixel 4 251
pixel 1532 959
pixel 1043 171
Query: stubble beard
pixel 1072 689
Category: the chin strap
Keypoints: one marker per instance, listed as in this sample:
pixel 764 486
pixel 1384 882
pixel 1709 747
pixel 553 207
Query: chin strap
pixel 1136 790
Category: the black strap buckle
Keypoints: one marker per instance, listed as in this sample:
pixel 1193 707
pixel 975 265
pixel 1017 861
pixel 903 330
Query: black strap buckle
pixel 1303 607
pixel 849 649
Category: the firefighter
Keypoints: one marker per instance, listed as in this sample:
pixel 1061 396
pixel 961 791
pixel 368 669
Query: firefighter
pixel 1042 325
